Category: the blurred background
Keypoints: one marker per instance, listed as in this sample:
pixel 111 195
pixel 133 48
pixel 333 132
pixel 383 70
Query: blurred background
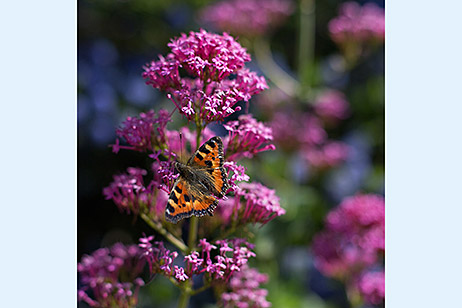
pixel 115 40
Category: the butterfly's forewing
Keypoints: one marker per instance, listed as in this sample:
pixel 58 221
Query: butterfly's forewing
pixel 210 156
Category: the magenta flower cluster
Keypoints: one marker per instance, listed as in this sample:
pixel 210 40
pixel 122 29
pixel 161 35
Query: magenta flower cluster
pixel 247 17
pixel 205 77
pixel 353 241
pixel 110 276
pixel 332 106
pixel 245 291
pixel 253 203
pixel 129 192
pixel 371 286
pixel 218 262
pixel 218 77
pixel 247 137
pixel 313 144
pixel 358 24
pixel 143 133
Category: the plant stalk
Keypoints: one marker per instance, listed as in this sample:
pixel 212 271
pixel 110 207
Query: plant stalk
pixel 306 44
pixel 168 236
pixel 184 298
pixel 272 70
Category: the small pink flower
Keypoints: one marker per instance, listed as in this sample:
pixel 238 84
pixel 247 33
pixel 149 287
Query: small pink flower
pixel 179 273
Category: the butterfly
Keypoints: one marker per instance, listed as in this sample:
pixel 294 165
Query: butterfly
pixel 201 179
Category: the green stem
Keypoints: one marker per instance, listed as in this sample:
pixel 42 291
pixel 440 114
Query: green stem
pixel 186 287
pixel 184 298
pixel 306 44
pixel 201 289
pixel 194 221
pixel 193 226
pixel 168 236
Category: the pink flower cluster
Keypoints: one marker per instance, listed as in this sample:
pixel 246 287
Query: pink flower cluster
pixel 143 133
pixel 354 238
pixel 358 24
pixel 229 257
pixel 253 203
pixel 101 275
pixel 131 195
pixel 247 17
pixel 313 144
pixel 236 173
pixel 247 137
pixel 218 77
pixel 331 106
pixel 245 290
pixel 371 286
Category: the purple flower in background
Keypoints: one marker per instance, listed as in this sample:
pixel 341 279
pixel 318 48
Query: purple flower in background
pixel 218 77
pixel 286 130
pixel 332 106
pixel 358 29
pixel 371 286
pixel 247 137
pixel 356 23
pixel 354 237
pixel 247 17
pixel 330 154
pixel 245 291
pixel 143 133
pixel 101 275
pixel 313 144
pixel 314 132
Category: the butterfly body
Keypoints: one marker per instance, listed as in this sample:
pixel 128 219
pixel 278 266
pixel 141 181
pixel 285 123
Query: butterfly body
pixel 201 179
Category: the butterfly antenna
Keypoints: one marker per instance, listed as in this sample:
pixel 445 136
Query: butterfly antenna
pixel 171 113
pixel 181 145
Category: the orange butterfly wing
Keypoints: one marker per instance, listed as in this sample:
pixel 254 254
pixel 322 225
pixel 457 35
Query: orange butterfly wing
pixel 185 202
pixel 210 156
pixel 186 199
